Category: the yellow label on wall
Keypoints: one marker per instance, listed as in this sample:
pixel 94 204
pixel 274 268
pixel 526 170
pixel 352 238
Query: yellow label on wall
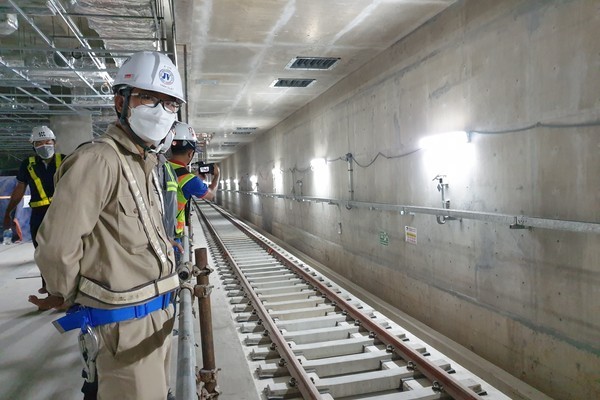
pixel 410 234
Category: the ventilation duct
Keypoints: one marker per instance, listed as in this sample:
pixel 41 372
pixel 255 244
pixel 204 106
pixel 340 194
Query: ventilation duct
pixel 312 63
pixel 136 33
pixel 60 62
pixel 293 83
pixel 8 24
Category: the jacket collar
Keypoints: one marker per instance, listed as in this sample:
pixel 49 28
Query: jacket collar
pixel 117 133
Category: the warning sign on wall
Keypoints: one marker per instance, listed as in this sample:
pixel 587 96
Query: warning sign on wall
pixel 410 234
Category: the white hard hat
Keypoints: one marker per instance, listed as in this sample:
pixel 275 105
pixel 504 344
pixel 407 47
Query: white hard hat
pixel 40 133
pixel 165 144
pixel 184 136
pixel 150 70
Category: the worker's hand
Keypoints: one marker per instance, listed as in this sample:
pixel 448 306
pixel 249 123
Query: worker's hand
pixel 217 170
pixel 177 245
pixel 49 302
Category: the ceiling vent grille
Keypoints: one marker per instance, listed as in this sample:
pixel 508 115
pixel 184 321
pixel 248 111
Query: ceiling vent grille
pixel 230 144
pixel 312 63
pixel 293 83
pixel 243 131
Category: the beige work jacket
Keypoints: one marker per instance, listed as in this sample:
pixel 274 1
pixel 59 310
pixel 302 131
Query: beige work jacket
pixel 92 228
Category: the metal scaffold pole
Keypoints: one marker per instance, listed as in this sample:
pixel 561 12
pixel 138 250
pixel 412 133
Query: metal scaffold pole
pixel 186 353
pixel 208 373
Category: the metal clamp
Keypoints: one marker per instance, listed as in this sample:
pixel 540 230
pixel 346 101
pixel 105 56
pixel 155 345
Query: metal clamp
pixel 207 270
pixel 202 291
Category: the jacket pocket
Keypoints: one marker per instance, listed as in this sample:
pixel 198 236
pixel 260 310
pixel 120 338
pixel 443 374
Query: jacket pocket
pixel 131 231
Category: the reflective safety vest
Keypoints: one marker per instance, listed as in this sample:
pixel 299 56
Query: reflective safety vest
pixel 183 177
pixel 44 199
pixel 169 188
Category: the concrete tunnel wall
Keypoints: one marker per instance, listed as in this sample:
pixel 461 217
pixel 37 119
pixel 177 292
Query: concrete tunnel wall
pixel 527 300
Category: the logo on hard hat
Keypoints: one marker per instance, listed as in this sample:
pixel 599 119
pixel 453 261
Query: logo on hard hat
pixel 166 76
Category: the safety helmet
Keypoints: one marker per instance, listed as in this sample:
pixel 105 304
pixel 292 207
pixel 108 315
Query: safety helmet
pixel 184 137
pixel 165 144
pixel 150 70
pixel 40 133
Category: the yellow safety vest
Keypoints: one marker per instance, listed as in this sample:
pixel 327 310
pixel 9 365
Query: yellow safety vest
pixel 171 178
pixel 183 177
pixel 44 199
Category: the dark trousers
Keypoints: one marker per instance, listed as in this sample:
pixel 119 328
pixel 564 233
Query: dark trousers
pixel 89 390
pixel 37 215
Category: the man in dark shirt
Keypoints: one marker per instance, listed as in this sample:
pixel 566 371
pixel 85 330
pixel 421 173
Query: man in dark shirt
pixel 37 172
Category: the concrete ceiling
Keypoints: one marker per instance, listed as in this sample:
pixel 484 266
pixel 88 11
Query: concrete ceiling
pixel 230 51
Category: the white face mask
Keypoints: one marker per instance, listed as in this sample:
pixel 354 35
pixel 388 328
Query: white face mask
pixel 45 151
pixel 151 124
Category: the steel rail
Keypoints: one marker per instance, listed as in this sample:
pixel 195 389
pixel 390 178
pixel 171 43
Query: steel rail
pixel 304 383
pixel 436 374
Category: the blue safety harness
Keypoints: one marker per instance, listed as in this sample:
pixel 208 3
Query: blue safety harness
pixel 80 316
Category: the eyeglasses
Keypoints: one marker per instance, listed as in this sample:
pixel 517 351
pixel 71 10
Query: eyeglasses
pixel 147 100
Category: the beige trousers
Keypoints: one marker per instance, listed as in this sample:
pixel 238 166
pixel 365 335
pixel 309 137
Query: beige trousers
pixel 134 357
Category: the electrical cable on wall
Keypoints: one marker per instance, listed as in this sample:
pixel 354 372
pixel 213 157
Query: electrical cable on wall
pixel 537 125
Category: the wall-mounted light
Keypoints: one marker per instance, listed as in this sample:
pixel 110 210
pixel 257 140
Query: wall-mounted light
pixel 444 140
pixel 277 179
pixel 254 181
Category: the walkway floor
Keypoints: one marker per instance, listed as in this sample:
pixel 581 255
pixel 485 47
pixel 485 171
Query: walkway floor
pixel 38 363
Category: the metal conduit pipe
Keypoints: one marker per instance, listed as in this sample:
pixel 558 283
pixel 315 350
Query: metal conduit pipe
pixel 349 159
pixel 513 221
pixel 208 374
pixel 49 42
pixel 186 354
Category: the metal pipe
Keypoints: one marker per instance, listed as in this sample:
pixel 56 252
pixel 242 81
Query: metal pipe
pixel 514 221
pixel 208 373
pixel 186 354
pixel 349 158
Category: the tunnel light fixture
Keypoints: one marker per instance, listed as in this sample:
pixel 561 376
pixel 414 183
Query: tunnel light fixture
pixel 444 140
pixel 318 164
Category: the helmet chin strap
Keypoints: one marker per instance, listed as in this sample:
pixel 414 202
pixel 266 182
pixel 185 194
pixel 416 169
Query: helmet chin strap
pixel 126 93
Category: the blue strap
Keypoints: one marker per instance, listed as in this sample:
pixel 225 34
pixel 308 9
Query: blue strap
pixel 80 316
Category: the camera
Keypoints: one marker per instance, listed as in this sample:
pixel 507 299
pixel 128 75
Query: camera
pixel 206 168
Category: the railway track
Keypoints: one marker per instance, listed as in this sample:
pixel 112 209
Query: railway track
pixel 308 338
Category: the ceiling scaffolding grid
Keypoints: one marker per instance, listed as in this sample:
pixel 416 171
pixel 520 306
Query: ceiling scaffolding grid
pixel 57 59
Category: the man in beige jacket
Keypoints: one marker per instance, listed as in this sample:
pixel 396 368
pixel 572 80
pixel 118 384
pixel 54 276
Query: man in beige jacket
pixel 103 246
